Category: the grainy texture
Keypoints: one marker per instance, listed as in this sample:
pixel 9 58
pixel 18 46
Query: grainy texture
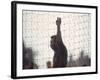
pixel 38 27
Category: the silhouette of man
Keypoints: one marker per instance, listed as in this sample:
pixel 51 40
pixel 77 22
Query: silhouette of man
pixel 60 51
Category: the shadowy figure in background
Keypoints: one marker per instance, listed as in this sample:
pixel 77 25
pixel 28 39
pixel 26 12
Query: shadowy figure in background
pixel 28 61
pixel 49 64
pixel 60 51
pixel 27 58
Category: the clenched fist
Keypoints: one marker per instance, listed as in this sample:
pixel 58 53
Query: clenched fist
pixel 58 21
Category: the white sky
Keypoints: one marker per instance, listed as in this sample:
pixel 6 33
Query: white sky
pixel 38 27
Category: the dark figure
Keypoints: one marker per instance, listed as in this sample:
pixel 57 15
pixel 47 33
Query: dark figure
pixel 27 58
pixel 60 51
pixel 48 64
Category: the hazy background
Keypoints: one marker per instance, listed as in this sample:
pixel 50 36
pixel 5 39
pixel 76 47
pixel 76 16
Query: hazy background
pixel 39 26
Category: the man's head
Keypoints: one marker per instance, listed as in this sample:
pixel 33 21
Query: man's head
pixel 53 42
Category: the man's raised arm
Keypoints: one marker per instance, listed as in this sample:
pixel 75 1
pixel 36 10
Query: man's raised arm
pixel 58 23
